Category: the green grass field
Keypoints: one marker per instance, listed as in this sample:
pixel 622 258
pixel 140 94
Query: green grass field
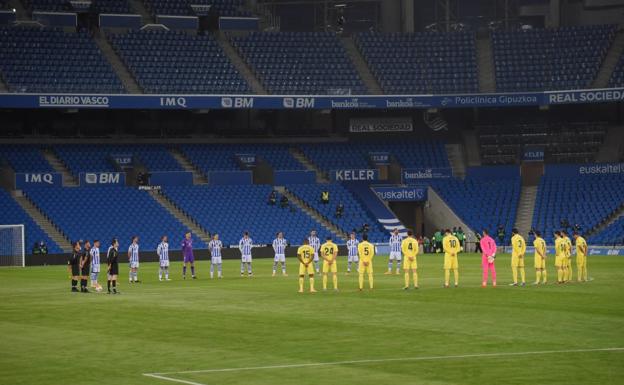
pixel 467 335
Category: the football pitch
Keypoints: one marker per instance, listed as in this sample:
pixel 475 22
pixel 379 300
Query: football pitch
pixel 261 331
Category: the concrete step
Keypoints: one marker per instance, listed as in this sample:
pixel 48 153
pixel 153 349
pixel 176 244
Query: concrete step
pixel 321 177
pixel 68 178
pixel 610 61
pixel 456 157
pixel 186 220
pixel 292 198
pixel 373 86
pixel 526 207
pixel 485 63
pixel 198 176
pixel 123 73
pixel 46 225
pixel 612 148
pixel 138 7
pixel 3 86
pixel 241 66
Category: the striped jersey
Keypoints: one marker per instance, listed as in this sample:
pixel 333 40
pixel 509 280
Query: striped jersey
pixel 395 243
pixel 163 251
pixel 133 250
pixel 352 246
pixel 95 257
pixel 244 245
pixel 315 242
pixel 215 248
pixel 279 246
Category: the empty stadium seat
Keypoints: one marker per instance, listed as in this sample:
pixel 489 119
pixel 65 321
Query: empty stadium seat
pixel 50 60
pixel 610 235
pixel 178 63
pixel 230 8
pixel 300 62
pixel 99 6
pixel 24 158
pixel 421 62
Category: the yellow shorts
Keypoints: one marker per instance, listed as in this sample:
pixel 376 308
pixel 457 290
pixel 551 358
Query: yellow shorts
pixel 581 261
pixel 450 262
pixel 560 261
pixel 540 263
pixel 330 268
pixel 303 269
pixel 517 261
pixel 410 265
pixel 365 269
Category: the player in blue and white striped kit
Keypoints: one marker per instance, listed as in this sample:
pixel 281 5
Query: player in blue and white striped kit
pixel 352 247
pixel 395 251
pixel 245 245
pixel 133 259
pixel 279 246
pixel 215 247
pixel 95 265
pixel 315 242
pixel 163 257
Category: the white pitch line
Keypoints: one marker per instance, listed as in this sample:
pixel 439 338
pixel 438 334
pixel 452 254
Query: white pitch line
pixel 163 376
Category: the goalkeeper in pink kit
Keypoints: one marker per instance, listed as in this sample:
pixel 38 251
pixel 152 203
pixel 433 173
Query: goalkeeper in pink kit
pixel 488 256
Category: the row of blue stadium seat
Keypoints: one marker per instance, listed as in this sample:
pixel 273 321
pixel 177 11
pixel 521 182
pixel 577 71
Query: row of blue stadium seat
pixel 613 234
pixel 183 7
pixel 24 158
pixel 99 6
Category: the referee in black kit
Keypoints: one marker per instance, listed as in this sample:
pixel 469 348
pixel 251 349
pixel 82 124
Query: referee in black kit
pixel 112 260
pixel 73 265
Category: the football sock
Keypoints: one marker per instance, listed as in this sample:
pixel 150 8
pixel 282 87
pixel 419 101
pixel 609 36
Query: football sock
pixel 361 280
pixel 74 283
pixel 311 283
pixel 406 279
pixel 184 270
pixel 538 276
pixel 324 281
pixel 559 275
pixel 166 273
pixel 335 280
pixel 447 277
pixel 249 267
pixel 370 279
pixel 274 267
pixel 301 283
pixel 283 267
pixel 316 265
pixel 389 265
pixel 108 284
pixel 211 269
pixel 192 270
pixel 398 266
pixel 349 267
pixel 514 272
pixel 219 268
pixel 415 278
pixel 242 267
pixel 544 276
pixel 456 272
pixel 523 274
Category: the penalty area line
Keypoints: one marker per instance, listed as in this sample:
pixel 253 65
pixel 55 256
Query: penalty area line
pixel 166 376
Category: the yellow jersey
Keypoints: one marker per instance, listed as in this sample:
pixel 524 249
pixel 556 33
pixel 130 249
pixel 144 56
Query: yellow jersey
pixel 305 253
pixel 450 245
pixel 518 245
pixel 540 245
pixel 328 249
pixel 410 247
pixel 581 247
pixel 366 251
pixel 568 246
pixel 560 247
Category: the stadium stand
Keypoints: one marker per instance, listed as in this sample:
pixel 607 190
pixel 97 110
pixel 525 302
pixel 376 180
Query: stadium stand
pixel 355 215
pixel 331 156
pixel 610 235
pixel 230 210
pixel 300 62
pixel 199 65
pixel 24 158
pixel 421 62
pixel 231 8
pixel 576 142
pixel 550 59
pixel 12 213
pixel 98 157
pixel 585 200
pixel 617 76
pixel 72 210
pixel 100 6
pixel 482 203
pixel 50 60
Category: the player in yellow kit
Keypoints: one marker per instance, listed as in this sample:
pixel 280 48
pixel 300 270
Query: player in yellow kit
pixel 329 252
pixel 410 249
pixel 366 252
pixel 581 257
pixel 305 254
pixel 568 253
pixel 540 259
pixel 518 249
pixel 560 263
pixel 451 247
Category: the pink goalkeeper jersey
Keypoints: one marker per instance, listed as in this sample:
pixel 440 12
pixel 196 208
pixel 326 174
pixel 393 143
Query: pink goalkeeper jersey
pixel 488 246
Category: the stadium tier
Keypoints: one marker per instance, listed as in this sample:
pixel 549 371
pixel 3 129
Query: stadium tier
pixel 50 60
pixel 481 202
pixel 613 234
pixel 617 77
pixel 550 59
pixel 332 156
pixel 354 217
pixel 562 142
pixel 12 213
pixel 24 158
pixel 103 213
pixel 300 63
pixel 199 65
pixel 184 7
pixel 585 200
pixel 421 62
pixel 230 210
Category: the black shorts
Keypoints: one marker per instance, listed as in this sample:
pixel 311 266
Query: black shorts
pixel 85 270
pixel 75 270
pixel 114 270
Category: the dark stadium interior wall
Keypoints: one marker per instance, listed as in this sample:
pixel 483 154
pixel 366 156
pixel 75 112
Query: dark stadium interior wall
pixel 411 215
pixel 319 16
